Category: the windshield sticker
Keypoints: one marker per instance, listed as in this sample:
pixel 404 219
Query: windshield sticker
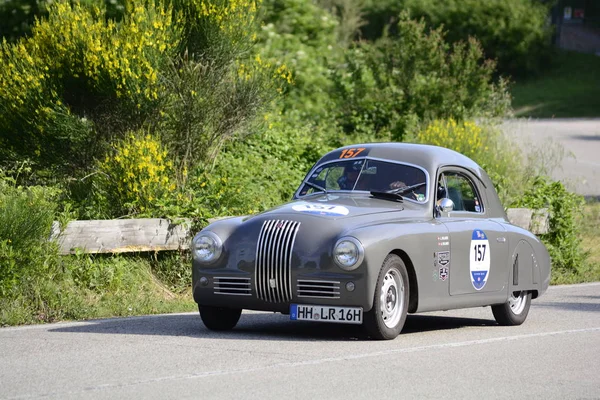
pixel 477 208
pixel 480 254
pixel 319 209
pixel 351 153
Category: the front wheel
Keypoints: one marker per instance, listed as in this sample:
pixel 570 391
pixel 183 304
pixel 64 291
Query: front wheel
pixel 385 320
pixel 514 311
pixel 219 318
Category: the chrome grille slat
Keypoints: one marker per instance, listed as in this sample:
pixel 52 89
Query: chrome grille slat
pixel 321 287
pixel 281 253
pixel 231 286
pixel 235 286
pixel 274 260
pixel 318 289
pixel 269 256
pixel 306 291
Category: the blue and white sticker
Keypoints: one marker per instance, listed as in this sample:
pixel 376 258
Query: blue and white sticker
pixel 321 209
pixel 479 259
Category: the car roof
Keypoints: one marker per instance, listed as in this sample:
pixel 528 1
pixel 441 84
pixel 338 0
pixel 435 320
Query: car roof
pixel 429 157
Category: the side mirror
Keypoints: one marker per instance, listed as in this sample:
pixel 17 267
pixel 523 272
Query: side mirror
pixel 446 205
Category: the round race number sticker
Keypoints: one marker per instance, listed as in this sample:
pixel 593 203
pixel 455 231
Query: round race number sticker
pixel 321 209
pixel 480 259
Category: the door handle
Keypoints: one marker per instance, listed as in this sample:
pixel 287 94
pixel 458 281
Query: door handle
pixel 501 239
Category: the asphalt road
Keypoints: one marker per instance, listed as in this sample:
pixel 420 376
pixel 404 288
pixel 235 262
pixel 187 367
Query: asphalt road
pixel 453 354
pixel 580 140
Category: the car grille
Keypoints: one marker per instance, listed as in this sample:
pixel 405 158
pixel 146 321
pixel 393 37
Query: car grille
pixel 232 286
pixel 273 275
pixel 317 288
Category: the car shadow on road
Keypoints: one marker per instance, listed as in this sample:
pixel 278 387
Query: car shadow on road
pixel 258 326
pixel 585 137
pixel 572 305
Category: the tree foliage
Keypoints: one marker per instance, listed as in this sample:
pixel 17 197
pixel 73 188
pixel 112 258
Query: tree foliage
pixel 412 76
pixel 513 32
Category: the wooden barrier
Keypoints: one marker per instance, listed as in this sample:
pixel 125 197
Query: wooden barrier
pixel 158 234
pixel 535 221
pixel 123 236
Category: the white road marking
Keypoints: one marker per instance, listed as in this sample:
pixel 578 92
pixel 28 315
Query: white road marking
pixel 318 361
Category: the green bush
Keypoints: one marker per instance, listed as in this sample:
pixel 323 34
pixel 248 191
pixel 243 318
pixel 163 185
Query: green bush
pixel 484 142
pixel 247 177
pixel 301 35
pixel 514 32
pixel 401 80
pixel 26 216
pixel 563 241
pixel 18 16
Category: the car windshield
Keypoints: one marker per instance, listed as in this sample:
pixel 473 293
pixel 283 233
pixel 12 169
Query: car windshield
pixel 367 175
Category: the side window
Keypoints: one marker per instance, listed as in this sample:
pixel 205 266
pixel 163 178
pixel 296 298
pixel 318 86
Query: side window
pixel 461 191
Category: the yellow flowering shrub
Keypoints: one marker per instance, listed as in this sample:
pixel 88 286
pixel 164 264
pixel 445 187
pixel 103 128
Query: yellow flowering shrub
pixel 208 21
pixel 486 145
pixel 77 69
pixel 126 57
pixel 138 174
pixel 464 137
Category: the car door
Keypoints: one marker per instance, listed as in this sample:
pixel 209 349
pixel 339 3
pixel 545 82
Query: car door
pixel 478 245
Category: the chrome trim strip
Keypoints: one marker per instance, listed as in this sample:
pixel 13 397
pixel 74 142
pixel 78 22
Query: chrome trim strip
pixel 234 294
pixel 247 287
pixel 320 291
pixel 306 287
pixel 232 278
pixel 321 297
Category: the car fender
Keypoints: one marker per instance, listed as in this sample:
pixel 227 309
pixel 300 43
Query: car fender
pixel 415 242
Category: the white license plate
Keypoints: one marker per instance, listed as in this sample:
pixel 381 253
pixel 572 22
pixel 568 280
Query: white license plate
pixel 340 315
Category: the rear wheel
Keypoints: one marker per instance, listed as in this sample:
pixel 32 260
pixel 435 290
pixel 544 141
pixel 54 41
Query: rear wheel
pixel 514 311
pixel 219 318
pixel 387 317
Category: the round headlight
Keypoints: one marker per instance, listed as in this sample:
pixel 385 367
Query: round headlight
pixel 348 253
pixel 206 246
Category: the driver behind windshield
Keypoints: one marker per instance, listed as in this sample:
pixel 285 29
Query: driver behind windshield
pixel 350 175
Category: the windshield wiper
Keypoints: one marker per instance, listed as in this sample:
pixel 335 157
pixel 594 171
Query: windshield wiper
pixel 405 189
pixel 315 186
pixel 387 195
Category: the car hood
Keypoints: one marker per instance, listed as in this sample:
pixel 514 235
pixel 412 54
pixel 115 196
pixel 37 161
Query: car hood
pixel 344 206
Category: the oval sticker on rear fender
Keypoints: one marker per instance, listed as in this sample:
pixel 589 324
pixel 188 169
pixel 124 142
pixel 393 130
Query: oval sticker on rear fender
pixel 480 254
pixel 321 209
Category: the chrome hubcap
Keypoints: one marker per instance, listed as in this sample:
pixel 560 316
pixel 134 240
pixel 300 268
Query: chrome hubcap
pixel 391 298
pixel 517 301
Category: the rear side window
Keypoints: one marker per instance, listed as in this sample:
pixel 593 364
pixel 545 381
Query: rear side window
pixel 461 190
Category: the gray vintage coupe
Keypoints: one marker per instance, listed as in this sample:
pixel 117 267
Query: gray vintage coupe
pixel 375 231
